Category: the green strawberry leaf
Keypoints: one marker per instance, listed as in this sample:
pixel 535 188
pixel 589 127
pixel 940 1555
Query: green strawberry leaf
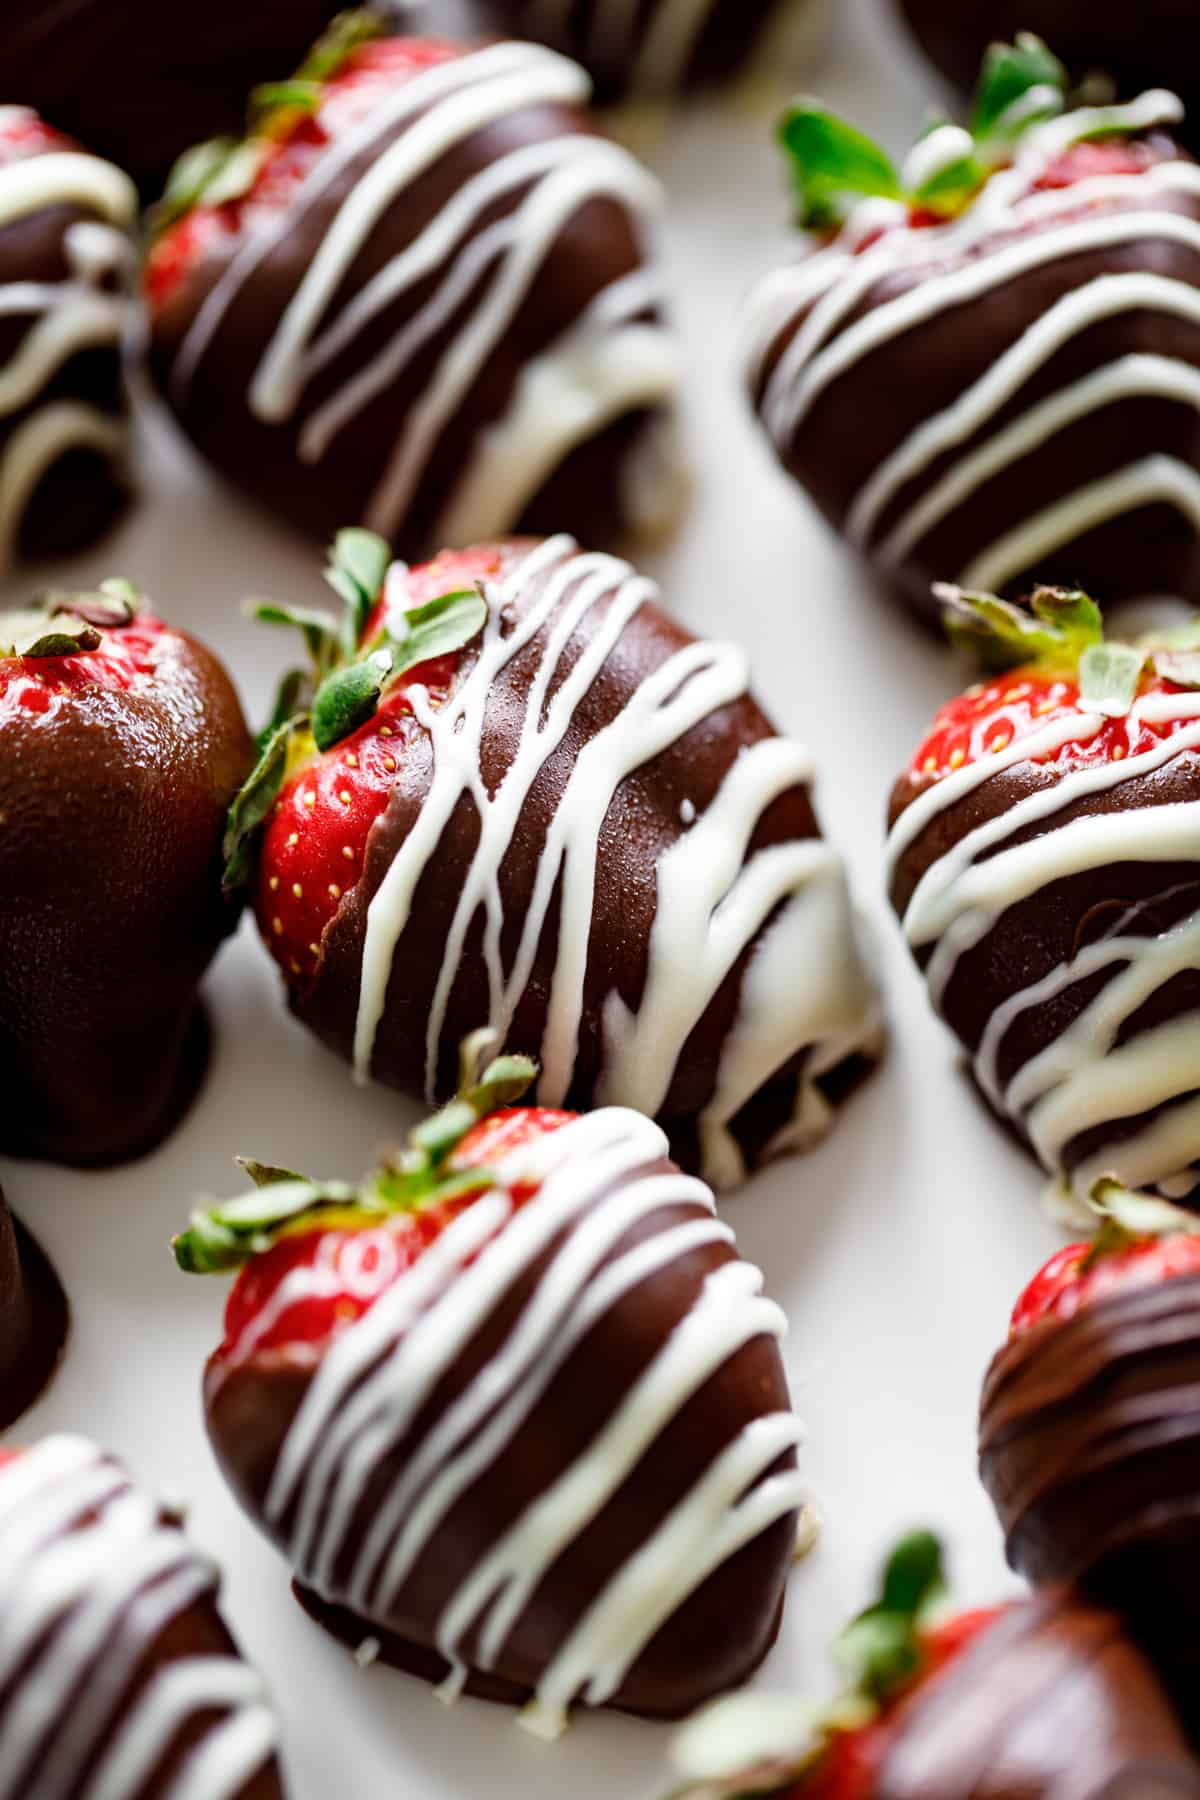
pixel 358 565
pixel 319 630
pixel 274 97
pixel 437 628
pixel 252 804
pixel 882 1648
pixel 229 1233
pixel 1020 85
pixel 292 697
pixel 1058 625
pixel 831 161
pixel 348 698
pixel 1108 678
pixel 266 1174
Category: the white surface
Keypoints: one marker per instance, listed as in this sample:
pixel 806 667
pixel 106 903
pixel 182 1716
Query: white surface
pixel 897 1248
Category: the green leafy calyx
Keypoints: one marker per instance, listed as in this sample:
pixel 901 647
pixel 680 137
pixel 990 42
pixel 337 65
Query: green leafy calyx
pixel 834 165
pixel 60 623
pixel 881 1649
pixel 1126 1217
pixel 350 672
pixel 283 1203
pixel 1058 627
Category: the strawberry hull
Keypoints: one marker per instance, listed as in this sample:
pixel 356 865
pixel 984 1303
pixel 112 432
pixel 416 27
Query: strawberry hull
pixel 595 1290
pixel 34 1318
pixel 111 906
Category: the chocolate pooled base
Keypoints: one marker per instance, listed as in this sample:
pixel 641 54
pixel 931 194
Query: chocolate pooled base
pixel 111 908
pixel 1052 1702
pixel 34 1318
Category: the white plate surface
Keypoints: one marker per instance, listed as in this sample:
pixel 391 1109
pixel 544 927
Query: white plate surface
pixel 897 1248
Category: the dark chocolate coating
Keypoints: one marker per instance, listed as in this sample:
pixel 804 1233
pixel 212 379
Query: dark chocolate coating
pixel 1156 45
pixel 34 1318
pixel 1090 1445
pixel 586 492
pixel 140 82
pixel 721 50
pixel 642 823
pixel 1038 934
pixel 714 1639
pixel 85 489
pixel 1052 1702
pixel 111 905
pixel 192 1630
pixel 872 407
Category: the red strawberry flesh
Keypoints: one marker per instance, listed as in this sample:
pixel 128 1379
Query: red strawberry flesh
pixel 315 837
pixel 994 714
pixel 125 659
pixel 1081 1274
pixel 313 1283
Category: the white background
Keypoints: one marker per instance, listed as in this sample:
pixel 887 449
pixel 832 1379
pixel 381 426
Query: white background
pixel 897 1248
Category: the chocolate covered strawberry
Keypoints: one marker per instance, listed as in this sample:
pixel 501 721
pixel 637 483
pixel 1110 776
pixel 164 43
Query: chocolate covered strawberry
pixel 120 1678
pixel 511 790
pixel 419 293
pixel 1089 1442
pixel 33 1318
pixel 1012 322
pixel 121 746
pixel 1043 860
pixel 66 264
pixel 512 1407
pixel 1032 1701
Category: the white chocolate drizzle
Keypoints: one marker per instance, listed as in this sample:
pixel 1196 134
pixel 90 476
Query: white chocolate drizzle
pixel 824 291
pixel 87 310
pixel 1085 1078
pixel 91 1575
pixel 805 987
pixel 596 1180
pixel 614 359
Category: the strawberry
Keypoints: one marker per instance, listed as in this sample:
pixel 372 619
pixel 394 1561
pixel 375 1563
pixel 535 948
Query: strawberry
pixel 53 654
pixel 316 1256
pixel 1070 672
pixel 1143 1241
pixel 122 745
pixel 223 187
pixel 895 1651
pixel 299 829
